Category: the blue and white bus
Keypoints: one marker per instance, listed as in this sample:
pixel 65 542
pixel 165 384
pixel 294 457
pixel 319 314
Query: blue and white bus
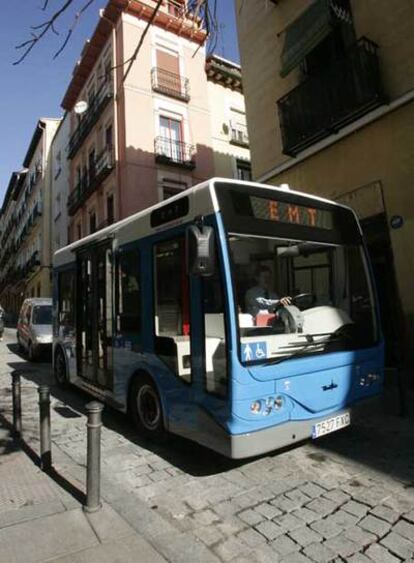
pixel 239 315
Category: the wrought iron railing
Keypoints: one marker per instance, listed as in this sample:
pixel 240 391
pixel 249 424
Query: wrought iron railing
pixel 91 179
pixel 323 103
pixel 170 84
pixel 90 117
pixel 176 153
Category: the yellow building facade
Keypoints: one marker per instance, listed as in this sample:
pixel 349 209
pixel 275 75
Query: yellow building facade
pixel 329 90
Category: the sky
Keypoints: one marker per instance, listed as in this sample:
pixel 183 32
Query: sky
pixel 35 87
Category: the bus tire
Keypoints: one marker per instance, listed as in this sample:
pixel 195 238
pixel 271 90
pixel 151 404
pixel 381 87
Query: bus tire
pixel 145 407
pixel 59 369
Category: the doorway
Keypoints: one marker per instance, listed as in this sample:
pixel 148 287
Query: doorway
pixel 392 320
pixel 95 316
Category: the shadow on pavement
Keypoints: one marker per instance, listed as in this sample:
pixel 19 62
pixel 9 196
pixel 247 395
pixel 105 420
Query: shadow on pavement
pixel 187 456
pixel 380 442
pixel 14 444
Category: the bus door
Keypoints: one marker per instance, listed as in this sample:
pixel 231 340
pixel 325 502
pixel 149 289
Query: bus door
pixel 94 319
pixel 173 339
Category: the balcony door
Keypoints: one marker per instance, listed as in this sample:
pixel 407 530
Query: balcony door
pixel 171 135
pixel 168 71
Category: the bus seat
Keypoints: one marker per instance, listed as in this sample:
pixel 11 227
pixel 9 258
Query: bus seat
pixel 245 320
pixel 169 318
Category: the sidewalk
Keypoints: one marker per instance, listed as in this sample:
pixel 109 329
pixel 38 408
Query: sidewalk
pixel 41 521
pixel 346 497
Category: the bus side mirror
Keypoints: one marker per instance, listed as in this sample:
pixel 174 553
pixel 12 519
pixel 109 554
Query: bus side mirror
pixel 200 251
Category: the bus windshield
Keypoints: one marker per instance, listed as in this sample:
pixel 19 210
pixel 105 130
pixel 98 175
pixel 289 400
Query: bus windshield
pixel 297 298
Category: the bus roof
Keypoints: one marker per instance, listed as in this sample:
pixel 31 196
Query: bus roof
pixel 62 255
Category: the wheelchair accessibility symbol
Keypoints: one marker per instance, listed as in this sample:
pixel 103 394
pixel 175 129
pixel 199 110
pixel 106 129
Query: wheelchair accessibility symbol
pixel 254 351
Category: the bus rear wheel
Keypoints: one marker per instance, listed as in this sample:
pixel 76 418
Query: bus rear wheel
pixel 145 407
pixel 60 369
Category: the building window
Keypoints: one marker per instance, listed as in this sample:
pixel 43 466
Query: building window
pixel 58 164
pixel 171 137
pixel 38 289
pixel 79 230
pixel 58 206
pixel 92 222
pixel 171 188
pixel 108 137
pixel 175 8
pixel 110 209
pixel 244 170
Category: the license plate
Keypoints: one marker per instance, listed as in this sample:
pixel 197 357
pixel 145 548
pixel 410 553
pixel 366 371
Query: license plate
pixel 331 424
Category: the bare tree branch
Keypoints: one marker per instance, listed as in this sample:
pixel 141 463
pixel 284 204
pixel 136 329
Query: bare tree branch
pixel 140 42
pixel 74 24
pixel 201 12
pixel 45 26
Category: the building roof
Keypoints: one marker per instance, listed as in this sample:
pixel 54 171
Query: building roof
pixel 108 17
pixel 13 188
pixel 40 126
pixel 224 72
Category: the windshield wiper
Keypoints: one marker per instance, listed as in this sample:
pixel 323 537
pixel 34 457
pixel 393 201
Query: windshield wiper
pixel 304 347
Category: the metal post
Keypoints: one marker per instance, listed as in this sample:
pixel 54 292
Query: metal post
pixel 93 469
pixel 17 405
pixel 45 442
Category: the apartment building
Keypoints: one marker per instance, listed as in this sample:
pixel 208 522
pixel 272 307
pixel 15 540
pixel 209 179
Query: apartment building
pixel 27 267
pixel 230 139
pixel 59 175
pixel 329 88
pixel 9 275
pixel 138 134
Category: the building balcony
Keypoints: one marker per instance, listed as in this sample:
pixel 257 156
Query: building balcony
pixel 170 84
pixel 174 153
pixel 239 135
pixel 327 101
pixel 90 117
pixel 91 180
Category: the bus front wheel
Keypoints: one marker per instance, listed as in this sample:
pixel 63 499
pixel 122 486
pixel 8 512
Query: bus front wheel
pixel 145 407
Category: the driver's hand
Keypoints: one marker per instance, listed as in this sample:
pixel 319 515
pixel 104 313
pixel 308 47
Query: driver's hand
pixel 286 301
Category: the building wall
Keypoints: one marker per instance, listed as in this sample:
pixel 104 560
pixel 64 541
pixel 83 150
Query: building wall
pixel 365 152
pixel 226 105
pixel 59 176
pixel 36 192
pixel 142 176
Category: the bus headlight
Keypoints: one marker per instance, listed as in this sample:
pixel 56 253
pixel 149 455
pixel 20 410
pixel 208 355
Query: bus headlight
pixel 278 403
pixel 256 407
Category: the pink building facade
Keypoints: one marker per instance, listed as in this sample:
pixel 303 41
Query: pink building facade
pixel 146 132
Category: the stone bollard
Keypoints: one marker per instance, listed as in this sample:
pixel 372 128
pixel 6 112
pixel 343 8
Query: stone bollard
pixel 45 441
pixel 93 468
pixel 17 405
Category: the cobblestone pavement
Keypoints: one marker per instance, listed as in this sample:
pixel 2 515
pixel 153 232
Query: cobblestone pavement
pixel 347 497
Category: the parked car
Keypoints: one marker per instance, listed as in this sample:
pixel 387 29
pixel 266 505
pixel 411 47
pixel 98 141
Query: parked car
pixel 34 327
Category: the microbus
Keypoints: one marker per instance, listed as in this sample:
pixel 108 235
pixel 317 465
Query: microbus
pixel 239 315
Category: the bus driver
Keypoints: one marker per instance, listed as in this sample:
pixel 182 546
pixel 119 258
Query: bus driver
pixel 261 298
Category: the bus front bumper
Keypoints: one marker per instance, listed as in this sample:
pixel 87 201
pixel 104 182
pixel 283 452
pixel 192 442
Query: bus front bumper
pixel 238 446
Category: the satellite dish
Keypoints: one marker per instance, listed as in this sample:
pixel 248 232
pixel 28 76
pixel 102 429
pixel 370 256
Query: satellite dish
pixel 80 107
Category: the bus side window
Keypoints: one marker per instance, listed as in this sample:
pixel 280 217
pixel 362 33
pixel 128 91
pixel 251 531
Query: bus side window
pixel 172 308
pixel 66 303
pixel 128 295
pixel 215 336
